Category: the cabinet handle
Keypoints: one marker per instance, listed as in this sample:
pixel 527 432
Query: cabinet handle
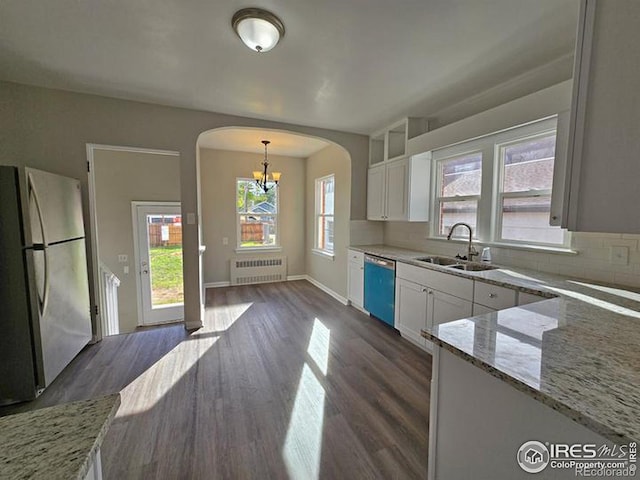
pixel 554 217
pixel 361 268
pixel 424 289
pixel 430 292
pixel 493 295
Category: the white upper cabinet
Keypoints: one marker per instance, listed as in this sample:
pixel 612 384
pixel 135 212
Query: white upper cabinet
pixel 399 190
pixel 391 143
pixel 603 165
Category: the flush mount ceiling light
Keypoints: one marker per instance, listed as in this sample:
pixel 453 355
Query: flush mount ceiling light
pixel 259 29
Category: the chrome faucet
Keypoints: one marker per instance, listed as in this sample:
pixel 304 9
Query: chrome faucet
pixel 471 252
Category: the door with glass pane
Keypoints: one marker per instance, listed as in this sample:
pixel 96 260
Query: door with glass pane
pixel 159 255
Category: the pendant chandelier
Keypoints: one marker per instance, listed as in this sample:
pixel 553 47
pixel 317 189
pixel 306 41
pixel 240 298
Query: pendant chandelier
pixel 264 178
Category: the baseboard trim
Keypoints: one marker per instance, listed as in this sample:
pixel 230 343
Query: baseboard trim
pixel 291 278
pixel 327 290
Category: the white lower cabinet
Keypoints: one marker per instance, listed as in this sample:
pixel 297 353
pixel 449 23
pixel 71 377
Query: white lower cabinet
pixel 419 306
pixel 355 276
pixel 481 309
pixel 446 308
pixel 411 310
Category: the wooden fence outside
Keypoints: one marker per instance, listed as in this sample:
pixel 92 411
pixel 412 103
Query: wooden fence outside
pixel 155 235
pixel 251 232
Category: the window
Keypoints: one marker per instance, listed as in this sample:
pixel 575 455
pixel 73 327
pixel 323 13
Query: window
pixel 257 215
pixel 459 181
pixel 524 196
pixel 325 196
pixel 500 185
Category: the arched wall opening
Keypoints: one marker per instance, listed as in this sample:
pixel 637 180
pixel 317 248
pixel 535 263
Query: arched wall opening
pixel 228 153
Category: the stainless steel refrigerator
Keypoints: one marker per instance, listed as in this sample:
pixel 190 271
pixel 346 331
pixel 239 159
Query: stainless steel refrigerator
pixel 45 317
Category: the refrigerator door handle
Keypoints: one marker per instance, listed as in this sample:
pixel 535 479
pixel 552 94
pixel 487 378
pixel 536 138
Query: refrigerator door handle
pixel 42 302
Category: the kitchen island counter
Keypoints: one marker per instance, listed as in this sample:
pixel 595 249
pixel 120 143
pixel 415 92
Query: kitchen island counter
pixel 60 442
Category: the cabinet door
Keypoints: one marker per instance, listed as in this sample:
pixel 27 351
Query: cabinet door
pixel 602 160
pixel 376 193
pixel 356 283
pixel 444 308
pixel 397 183
pixel 411 310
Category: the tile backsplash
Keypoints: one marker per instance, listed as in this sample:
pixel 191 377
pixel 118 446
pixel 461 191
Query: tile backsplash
pixel 592 262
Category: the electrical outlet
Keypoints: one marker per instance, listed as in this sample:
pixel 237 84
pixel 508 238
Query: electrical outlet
pixel 225 240
pixel 123 258
pixel 619 255
pixel 126 269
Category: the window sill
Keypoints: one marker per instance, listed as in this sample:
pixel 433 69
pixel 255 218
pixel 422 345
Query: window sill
pixel 513 246
pixel 323 253
pixel 259 250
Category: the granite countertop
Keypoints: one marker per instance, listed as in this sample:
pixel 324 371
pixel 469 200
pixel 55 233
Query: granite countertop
pixel 577 352
pixel 55 442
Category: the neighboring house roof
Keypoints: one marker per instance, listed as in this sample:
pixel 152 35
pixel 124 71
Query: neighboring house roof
pixel 519 176
pixel 263 207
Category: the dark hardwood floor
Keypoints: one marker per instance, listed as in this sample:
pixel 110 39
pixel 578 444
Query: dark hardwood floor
pixel 282 382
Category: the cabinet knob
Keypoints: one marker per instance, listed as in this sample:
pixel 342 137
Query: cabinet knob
pixel 554 217
pixel 361 268
pixel 430 292
pixel 493 295
pixel 424 289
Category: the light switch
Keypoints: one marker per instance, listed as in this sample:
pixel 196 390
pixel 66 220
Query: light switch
pixel 619 255
pixel 191 218
pixel 225 240
pixel 126 269
pixel 123 258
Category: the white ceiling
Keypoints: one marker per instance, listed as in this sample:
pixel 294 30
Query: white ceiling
pixel 350 65
pixel 248 140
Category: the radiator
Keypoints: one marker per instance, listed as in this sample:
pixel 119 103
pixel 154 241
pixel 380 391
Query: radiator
pixel 109 284
pixel 258 270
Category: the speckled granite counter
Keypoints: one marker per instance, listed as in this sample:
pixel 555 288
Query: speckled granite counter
pixel 578 353
pixel 56 442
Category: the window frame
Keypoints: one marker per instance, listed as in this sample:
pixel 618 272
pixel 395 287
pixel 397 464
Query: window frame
pixel 319 214
pixel 438 200
pixel 276 244
pixel 489 217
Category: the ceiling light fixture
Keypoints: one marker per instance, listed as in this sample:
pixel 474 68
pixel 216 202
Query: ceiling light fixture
pixel 259 29
pixel 262 178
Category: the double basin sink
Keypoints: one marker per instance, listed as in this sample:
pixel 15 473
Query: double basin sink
pixel 456 264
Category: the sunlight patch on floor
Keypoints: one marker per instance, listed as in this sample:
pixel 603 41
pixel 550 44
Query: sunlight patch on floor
pixel 318 348
pixel 225 316
pixel 158 381
pixel 303 445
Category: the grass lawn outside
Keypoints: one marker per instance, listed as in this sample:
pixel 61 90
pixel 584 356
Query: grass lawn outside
pixel 166 275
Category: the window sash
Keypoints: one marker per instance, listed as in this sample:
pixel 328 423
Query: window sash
pixel 245 213
pixel 321 242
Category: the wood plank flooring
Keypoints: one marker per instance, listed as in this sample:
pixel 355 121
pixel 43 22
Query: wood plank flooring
pixel 281 382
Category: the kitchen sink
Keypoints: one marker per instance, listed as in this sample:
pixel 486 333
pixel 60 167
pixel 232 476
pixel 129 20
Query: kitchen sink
pixel 457 264
pixel 443 261
pixel 472 267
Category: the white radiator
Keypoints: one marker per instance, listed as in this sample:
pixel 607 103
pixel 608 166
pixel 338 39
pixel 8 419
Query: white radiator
pixel 258 270
pixel 109 284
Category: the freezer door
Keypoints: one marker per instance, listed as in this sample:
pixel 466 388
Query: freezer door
pixel 64 318
pixel 55 207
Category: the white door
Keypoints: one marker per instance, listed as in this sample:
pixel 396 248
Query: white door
pixel 411 310
pixel 159 262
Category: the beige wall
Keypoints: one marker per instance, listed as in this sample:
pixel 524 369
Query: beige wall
pixel 218 172
pixel 330 272
pixel 121 178
pixel 49 129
